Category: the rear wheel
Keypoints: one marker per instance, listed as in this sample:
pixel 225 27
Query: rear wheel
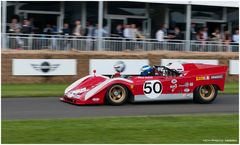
pixel 205 94
pixel 117 94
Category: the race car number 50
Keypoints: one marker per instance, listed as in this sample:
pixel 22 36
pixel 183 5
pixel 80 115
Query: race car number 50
pixel 152 89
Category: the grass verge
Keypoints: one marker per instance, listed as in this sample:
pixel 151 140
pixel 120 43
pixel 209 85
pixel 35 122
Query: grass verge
pixel 149 129
pixel 33 90
pixel 46 90
pixel 231 88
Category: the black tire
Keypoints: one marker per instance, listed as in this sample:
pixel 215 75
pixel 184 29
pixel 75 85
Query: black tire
pixel 205 94
pixel 117 94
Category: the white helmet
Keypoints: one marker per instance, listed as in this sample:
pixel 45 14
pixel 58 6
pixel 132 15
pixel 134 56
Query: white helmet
pixel 176 66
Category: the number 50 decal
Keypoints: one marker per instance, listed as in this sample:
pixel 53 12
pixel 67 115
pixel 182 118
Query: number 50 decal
pixel 152 89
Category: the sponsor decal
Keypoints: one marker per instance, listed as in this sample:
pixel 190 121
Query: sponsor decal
pixel 45 67
pixel 216 77
pixel 145 77
pixel 186 95
pixel 201 78
pixel 152 88
pixel 173 87
pixel 191 84
pixel 185 84
pixel 186 90
pixel 173 81
pixel 82 90
pixel 95 99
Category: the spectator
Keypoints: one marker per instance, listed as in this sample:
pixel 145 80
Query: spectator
pixel 118 32
pixel 55 29
pixel 139 34
pixel 193 31
pixel 26 28
pixel 133 32
pixel 165 29
pixel 14 26
pixel 236 36
pixel 31 22
pixel 48 29
pixel 127 32
pixel 216 35
pixel 78 30
pixel 105 28
pixel 177 34
pixel 103 32
pixel 32 25
pixel 199 36
pixel 160 34
pixel 90 29
pixel 205 33
pixel 19 41
pixel 66 29
pixel 227 38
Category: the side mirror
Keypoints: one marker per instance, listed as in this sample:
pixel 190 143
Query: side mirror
pixel 94 72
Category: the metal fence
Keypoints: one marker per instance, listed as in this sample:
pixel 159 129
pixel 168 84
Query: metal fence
pixel 65 43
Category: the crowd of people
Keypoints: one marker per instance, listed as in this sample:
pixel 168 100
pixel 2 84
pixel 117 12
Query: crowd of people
pixel 203 35
pixel 27 27
pixel 163 33
pixel 127 31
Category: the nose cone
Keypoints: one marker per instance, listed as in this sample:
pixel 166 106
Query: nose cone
pixel 85 84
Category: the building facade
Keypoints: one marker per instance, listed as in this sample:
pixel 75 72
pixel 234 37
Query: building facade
pixel 148 16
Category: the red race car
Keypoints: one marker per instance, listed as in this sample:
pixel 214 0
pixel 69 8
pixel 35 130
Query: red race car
pixel 174 81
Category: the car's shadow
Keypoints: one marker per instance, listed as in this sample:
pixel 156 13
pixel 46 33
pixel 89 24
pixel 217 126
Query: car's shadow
pixel 169 102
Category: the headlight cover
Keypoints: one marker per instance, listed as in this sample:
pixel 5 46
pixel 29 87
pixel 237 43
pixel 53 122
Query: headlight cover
pixel 76 93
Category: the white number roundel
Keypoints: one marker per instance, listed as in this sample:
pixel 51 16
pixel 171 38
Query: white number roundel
pixel 152 88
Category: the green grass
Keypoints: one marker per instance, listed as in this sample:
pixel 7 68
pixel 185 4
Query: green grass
pixel 231 88
pixel 146 129
pixel 46 90
pixel 33 90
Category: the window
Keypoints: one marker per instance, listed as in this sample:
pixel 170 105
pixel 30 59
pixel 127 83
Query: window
pixel 207 12
pixel 40 6
pixel 127 8
pixel 177 16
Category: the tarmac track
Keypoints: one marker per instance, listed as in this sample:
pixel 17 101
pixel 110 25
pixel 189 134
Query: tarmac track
pixel 52 108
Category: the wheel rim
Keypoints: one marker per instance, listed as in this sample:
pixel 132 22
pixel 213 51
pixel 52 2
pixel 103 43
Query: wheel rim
pixel 207 92
pixel 117 93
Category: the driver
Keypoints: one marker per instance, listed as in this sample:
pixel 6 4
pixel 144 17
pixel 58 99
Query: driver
pixel 177 66
pixel 147 71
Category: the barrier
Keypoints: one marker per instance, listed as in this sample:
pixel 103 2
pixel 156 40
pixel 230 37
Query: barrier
pixel 66 43
pixel 83 59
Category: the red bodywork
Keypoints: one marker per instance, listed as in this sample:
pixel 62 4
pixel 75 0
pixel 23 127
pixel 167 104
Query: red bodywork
pixel 92 89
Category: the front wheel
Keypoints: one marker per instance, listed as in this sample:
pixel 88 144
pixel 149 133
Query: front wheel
pixel 117 94
pixel 205 94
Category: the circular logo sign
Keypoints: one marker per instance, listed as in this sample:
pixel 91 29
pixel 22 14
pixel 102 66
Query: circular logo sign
pixel 119 66
pixel 45 67
pixel 152 88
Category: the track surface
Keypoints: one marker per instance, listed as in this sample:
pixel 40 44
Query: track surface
pixel 51 107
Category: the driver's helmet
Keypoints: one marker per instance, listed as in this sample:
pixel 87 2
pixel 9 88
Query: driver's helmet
pixel 177 66
pixel 146 70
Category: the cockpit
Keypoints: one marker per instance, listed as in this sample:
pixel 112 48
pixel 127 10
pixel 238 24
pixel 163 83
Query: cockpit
pixel 171 69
